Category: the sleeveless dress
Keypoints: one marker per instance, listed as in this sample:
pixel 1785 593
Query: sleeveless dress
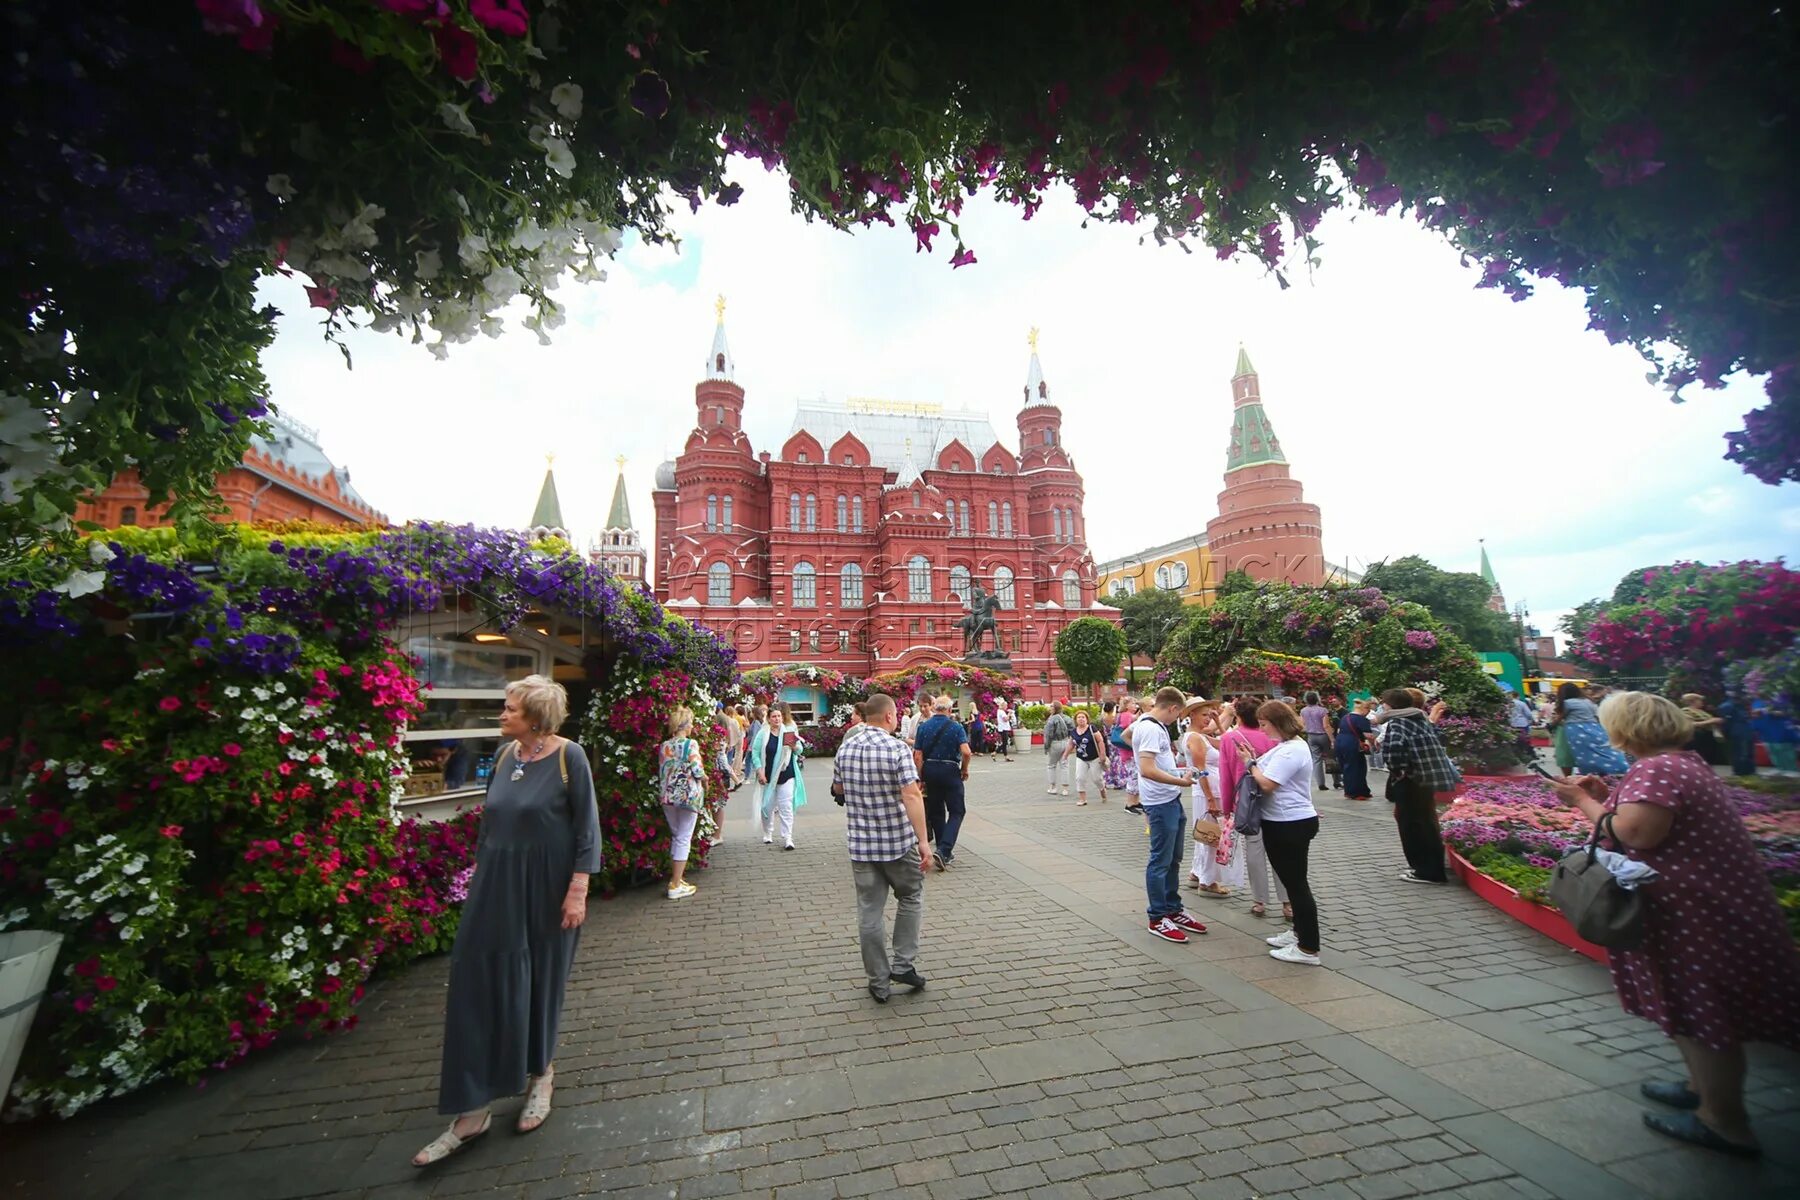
pixel 1717 964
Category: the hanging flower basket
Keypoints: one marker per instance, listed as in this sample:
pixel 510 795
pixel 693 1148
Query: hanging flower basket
pixel 26 957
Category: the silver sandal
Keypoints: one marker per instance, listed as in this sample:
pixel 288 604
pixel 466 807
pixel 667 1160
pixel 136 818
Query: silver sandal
pixel 447 1143
pixel 537 1104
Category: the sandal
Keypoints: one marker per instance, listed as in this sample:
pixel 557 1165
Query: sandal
pixel 1215 889
pixel 1193 884
pixel 447 1143
pixel 537 1103
pixel 1081 804
pixel 1287 912
pixel 1258 909
pixel 1688 1127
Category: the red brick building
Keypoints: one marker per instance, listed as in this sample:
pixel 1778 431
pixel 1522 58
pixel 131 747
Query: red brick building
pixel 283 477
pixel 857 545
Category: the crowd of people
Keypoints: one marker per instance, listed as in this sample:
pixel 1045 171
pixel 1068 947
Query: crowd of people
pixel 1716 966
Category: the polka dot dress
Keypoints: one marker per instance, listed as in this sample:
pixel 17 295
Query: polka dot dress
pixel 1717 963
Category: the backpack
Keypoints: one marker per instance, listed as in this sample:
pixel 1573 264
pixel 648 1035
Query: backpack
pixel 680 781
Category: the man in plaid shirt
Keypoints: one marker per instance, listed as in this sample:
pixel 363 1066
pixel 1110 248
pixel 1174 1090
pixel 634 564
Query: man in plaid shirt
pixel 1418 768
pixel 889 851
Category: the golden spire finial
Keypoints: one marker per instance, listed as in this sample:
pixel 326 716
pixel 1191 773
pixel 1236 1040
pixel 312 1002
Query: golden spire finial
pixel 719 307
pixel 621 461
pixel 549 460
pixel 1032 338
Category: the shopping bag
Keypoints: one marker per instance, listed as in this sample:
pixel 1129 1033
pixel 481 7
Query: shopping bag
pixel 1233 872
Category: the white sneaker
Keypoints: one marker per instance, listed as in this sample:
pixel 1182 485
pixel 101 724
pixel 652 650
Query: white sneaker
pixel 1294 954
pixel 1065 791
pixel 1049 791
pixel 682 892
pixel 767 840
pixel 1286 937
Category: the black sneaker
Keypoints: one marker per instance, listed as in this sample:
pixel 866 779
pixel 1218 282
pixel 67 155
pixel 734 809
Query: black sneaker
pixel 1135 809
pixel 911 978
pixel 878 997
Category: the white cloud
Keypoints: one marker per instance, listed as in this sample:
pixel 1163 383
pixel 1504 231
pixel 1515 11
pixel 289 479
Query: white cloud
pixel 1420 413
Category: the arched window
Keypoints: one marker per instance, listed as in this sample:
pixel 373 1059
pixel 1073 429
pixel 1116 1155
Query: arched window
pixel 1069 523
pixel 1172 575
pixel 1071 590
pixel 965 518
pixel 918 578
pixel 128 515
pixel 812 512
pixel 1006 518
pixel 1056 524
pixel 712 513
pixel 793 510
pixel 719 363
pixel 856 514
pixel 726 523
pixel 800 457
pixel 918 500
pixel 993 517
pixel 850 592
pixel 959 583
pixel 843 514
pixel 1003 587
pixel 806 586
pixel 718 584
pixel 1049 437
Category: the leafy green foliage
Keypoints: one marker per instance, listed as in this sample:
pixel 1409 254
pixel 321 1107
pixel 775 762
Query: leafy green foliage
pixel 1089 651
pixel 1149 617
pixel 1458 599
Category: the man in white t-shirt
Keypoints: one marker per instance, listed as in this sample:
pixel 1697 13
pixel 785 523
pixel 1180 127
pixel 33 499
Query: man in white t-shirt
pixel 1159 791
pixel 1003 727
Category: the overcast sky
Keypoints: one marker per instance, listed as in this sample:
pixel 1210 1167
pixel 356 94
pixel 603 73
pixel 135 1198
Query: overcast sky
pixel 1420 413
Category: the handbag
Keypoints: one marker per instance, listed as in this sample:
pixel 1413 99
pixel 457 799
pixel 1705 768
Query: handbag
pixel 1207 831
pixel 1247 805
pixel 1601 911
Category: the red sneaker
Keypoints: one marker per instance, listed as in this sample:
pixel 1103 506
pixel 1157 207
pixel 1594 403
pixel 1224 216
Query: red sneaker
pixel 1167 930
pixel 1186 921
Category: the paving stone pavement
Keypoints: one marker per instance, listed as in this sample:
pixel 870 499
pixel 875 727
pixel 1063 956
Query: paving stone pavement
pixel 723 1046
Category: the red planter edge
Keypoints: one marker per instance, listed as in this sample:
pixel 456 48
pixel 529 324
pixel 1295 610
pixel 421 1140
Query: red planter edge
pixel 1545 920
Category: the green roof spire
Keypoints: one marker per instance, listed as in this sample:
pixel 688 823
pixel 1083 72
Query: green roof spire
pixel 1253 440
pixel 548 513
pixel 1487 568
pixel 1243 363
pixel 619 517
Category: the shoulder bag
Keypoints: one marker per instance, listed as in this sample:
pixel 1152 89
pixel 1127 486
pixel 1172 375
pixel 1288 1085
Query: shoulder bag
pixel 1247 804
pixel 1600 910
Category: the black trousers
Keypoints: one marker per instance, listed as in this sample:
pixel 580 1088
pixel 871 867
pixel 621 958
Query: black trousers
pixel 1415 812
pixel 944 807
pixel 1286 844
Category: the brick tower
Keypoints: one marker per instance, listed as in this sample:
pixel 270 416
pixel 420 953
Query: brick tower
pixel 1264 526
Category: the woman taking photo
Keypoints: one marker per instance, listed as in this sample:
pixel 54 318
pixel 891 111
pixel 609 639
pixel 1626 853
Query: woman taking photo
pixel 778 774
pixel 1717 967
pixel 539 842
pixel 1087 753
pixel 1589 751
pixel 1290 822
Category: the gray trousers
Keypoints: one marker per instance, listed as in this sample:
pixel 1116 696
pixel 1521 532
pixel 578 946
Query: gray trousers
pixel 874 880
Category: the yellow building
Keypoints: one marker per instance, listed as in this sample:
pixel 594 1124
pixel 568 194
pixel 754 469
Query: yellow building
pixel 1184 566
pixel 1181 566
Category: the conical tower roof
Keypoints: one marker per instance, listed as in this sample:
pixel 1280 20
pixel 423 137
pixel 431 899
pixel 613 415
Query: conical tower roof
pixel 548 513
pixel 1487 569
pixel 1036 390
pixel 718 359
pixel 619 516
pixel 1253 440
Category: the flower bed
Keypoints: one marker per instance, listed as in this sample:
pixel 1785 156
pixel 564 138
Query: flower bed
pixel 1513 831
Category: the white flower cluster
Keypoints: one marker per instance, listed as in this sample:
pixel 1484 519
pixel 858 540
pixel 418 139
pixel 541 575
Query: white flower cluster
pixel 109 871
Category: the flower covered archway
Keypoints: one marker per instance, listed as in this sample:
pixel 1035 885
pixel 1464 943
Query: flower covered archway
pixel 201 758
pixel 418 165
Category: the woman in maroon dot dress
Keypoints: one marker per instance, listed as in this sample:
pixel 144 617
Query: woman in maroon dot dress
pixel 1717 967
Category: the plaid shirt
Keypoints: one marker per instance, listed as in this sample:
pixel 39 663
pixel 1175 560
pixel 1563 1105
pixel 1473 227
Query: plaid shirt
pixel 1414 750
pixel 873 766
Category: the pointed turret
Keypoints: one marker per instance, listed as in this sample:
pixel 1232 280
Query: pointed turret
pixel 547 518
pixel 619 516
pixel 1036 390
pixel 909 469
pixel 1253 440
pixel 620 551
pixel 1496 598
pixel 718 359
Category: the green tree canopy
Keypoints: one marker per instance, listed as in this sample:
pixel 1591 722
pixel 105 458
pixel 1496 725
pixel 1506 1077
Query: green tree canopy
pixel 1149 616
pixel 1458 599
pixel 1089 651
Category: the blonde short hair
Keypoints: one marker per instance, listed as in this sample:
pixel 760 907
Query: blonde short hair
pixel 1641 723
pixel 1693 698
pixel 543 701
pixel 681 719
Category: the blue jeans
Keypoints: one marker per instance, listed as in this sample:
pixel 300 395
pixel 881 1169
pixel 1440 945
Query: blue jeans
pixel 1162 876
pixel 944 801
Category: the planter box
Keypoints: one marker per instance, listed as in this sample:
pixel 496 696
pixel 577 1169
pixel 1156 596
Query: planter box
pixel 26 957
pixel 1547 921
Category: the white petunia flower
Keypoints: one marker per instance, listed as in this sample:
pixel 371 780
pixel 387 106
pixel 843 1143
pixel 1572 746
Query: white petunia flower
pixel 565 98
pixel 280 187
pixel 430 263
pixel 456 118
pixel 558 157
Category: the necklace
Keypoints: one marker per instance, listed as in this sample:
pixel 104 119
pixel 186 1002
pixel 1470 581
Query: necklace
pixel 518 771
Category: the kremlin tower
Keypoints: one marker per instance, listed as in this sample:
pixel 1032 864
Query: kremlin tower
pixel 1264 526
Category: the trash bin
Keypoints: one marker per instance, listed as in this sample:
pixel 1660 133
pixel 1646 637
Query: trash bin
pixel 26 958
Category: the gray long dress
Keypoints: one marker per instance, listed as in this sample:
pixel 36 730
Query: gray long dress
pixel 512 956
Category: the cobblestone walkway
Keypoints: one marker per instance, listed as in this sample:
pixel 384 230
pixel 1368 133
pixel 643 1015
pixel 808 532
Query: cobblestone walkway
pixel 724 1046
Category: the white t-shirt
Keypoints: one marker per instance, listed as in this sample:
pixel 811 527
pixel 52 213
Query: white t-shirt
pixel 1003 720
pixel 1149 737
pixel 1290 765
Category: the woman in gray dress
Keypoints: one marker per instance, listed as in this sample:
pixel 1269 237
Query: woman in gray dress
pixel 539 842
